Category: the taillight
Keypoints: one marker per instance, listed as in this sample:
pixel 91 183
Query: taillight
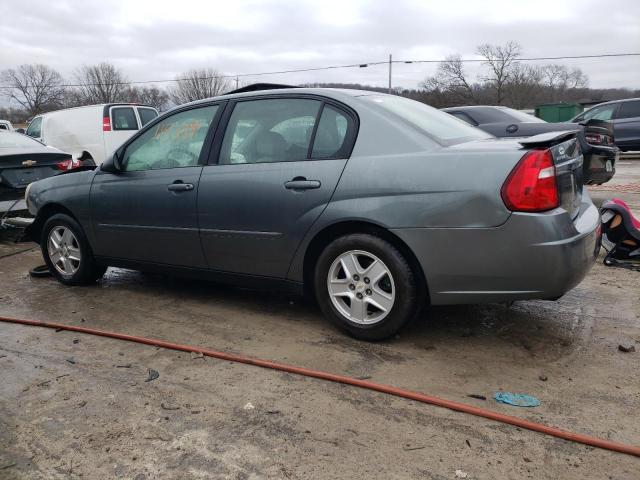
pixel 598 139
pixel 106 124
pixel 531 186
pixel 68 164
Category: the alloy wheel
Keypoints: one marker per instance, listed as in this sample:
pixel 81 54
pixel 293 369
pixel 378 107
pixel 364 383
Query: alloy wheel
pixel 361 287
pixel 64 250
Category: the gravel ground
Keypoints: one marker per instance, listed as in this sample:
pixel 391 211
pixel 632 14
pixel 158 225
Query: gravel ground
pixel 77 406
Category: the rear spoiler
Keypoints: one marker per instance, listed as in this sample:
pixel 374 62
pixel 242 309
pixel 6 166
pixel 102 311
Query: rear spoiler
pixel 548 138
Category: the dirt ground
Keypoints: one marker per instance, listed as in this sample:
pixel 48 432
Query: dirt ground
pixel 78 406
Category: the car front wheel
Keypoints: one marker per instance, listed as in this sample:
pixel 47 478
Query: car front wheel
pixel 365 286
pixel 67 253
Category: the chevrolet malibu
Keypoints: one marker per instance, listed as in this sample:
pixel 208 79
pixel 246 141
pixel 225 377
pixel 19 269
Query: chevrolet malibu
pixel 373 203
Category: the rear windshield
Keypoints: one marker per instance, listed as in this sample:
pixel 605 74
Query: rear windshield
pixel 442 127
pixel 17 140
pixel 146 115
pixel 484 115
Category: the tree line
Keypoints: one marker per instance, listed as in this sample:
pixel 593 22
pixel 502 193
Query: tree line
pixel 504 80
pixel 38 88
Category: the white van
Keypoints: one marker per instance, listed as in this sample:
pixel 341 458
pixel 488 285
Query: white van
pixel 93 132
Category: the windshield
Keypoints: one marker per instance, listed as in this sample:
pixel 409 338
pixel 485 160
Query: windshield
pixel 442 127
pixel 16 140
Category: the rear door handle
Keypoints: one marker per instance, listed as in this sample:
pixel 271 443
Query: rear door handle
pixel 301 183
pixel 178 186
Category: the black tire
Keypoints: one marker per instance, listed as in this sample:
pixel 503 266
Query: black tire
pixel 86 271
pixel 406 285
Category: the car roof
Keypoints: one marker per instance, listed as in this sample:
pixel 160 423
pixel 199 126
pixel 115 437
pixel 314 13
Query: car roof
pixel 474 107
pixel 622 100
pixel 336 93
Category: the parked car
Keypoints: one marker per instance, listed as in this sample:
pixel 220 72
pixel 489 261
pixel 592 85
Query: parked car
pixel 6 125
pixel 372 202
pixel 625 117
pixel 93 132
pixel 596 141
pixel 24 160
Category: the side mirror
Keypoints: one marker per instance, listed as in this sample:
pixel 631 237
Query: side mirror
pixel 20 130
pixel 112 164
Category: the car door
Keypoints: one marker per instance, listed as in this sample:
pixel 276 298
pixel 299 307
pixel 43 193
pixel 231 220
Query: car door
pixel 627 125
pixel 147 211
pixel 279 162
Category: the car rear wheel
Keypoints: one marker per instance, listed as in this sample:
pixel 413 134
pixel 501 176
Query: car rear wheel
pixel 67 253
pixel 365 286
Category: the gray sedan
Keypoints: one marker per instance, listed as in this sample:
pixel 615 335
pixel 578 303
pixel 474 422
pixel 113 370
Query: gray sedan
pixel 373 203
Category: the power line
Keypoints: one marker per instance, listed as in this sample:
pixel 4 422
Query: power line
pixel 353 65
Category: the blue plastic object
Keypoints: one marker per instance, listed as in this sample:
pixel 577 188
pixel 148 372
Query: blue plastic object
pixel 516 399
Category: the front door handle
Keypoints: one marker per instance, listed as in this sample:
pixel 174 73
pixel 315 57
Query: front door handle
pixel 178 186
pixel 301 183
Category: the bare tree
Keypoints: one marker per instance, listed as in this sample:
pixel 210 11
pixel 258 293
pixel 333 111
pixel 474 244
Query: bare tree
pixel 500 60
pixel 451 80
pixel 198 84
pixel 153 96
pixel 36 88
pixel 561 81
pixel 524 85
pixel 101 83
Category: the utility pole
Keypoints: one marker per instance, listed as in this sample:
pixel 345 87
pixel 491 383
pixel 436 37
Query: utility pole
pixel 390 65
pixel 237 81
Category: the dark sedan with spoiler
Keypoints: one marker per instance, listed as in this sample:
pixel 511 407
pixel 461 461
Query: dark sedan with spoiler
pixel 595 137
pixel 24 160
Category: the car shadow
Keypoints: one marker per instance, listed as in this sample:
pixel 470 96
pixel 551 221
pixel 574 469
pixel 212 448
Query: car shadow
pixel 540 329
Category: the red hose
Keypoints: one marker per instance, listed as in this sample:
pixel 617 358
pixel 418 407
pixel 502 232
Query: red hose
pixel 398 392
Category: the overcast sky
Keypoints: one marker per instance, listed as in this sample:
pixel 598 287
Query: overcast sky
pixel 154 39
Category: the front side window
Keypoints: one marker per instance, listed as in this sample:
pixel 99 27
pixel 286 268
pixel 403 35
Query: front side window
pixel 270 130
pixel 629 110
pixel 123 118
pixel 442 127
pixel 35 128
pixel 604 112
pixel 146 115
pixel 174 142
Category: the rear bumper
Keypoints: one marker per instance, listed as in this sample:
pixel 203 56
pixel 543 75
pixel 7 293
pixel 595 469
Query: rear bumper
pixel 530 256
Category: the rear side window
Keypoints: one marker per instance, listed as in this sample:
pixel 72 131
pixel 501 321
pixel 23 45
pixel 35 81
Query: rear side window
pixel 331 134
pixel 270 130
pixel 629 110
pixel 146 115
pixel 123 118
pixel 4 126
pixel 35 128
pixel 174 142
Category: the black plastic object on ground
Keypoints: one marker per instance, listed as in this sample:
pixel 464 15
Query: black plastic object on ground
pixel 41 271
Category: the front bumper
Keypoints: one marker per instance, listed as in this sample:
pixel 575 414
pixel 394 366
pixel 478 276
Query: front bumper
pixel 530 256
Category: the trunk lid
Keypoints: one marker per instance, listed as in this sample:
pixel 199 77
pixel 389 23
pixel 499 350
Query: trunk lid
pixel 20 169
